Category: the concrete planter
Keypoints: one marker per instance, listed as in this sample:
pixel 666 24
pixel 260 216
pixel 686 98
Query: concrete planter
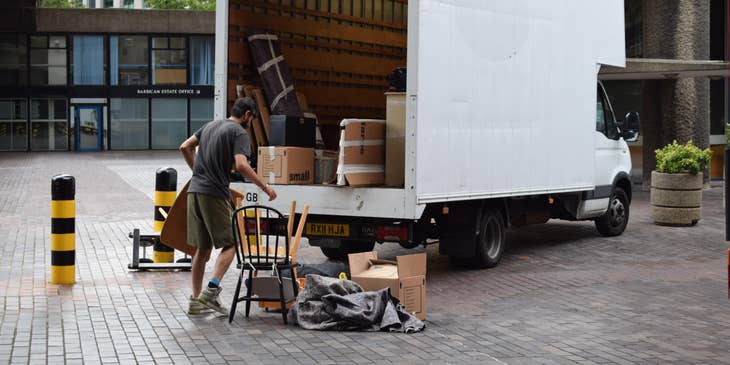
pixel 676 199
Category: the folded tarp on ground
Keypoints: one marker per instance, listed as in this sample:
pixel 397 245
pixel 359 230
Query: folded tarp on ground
pixel 330 304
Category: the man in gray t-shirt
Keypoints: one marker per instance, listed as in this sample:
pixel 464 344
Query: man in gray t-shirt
pixel 223 144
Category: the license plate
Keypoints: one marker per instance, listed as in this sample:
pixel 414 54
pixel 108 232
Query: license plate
pixel 328 230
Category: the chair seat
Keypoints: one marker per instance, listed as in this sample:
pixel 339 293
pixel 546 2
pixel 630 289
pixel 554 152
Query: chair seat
pixel 264 262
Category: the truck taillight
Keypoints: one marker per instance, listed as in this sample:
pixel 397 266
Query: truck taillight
pixel 392 233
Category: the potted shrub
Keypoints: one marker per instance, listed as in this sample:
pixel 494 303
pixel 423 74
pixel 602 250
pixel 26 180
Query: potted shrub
pixel 676 184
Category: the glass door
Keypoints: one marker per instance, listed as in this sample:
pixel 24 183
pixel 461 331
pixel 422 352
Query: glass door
pixel 88 128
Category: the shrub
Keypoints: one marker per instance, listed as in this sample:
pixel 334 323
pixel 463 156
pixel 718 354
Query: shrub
pixel 675 158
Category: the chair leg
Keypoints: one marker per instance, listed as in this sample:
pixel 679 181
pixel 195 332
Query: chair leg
pixel 248 292
pixel 282 300
pixel 295 283
pixel 235 298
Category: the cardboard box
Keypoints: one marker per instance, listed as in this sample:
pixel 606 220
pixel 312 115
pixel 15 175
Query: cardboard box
pixel 286 165
pixel 362 153
pixel 405 277
pixel 395 139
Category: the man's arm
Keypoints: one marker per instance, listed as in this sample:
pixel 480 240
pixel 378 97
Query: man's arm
pixel 245 169
pixel 187 149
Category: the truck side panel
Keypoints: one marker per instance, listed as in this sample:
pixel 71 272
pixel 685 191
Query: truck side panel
pixel 506 95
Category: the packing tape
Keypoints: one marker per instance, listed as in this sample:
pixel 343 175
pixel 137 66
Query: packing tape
pixel 270 63
pixel 355 169
pixel 282 94
pixel 272 178
pixel 345 122
pixel 272 153
pixel 266 37
pixel 366 142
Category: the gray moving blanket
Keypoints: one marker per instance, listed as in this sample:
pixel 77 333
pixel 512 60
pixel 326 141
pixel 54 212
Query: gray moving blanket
pixel 342 305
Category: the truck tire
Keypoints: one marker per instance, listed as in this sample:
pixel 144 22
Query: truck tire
pixel 491 240
pixel 347 247
pixel 614 221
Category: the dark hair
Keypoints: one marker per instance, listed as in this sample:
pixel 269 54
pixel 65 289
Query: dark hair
pixel 242 105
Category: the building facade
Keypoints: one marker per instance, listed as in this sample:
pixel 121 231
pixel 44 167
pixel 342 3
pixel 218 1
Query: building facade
pixel 91 80
pixel 676 76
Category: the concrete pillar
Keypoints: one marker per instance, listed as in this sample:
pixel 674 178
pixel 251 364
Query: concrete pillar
pixel 675 109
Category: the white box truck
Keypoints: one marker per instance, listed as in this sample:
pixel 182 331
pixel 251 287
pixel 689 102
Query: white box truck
pixel 506 125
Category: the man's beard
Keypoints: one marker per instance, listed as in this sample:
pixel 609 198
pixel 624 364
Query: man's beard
pixel 245 124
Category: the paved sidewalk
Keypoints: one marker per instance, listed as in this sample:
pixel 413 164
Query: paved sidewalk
pixel 562 295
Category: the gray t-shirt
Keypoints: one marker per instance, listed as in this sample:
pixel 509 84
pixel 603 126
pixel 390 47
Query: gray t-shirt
pixel 219 141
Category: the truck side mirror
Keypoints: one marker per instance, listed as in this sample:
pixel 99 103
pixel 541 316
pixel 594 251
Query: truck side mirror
pixel 632 121
pixel 630 127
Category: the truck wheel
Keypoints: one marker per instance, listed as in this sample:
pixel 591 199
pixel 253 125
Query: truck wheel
pixel 347 247
pixel 491 240
pixel 614 221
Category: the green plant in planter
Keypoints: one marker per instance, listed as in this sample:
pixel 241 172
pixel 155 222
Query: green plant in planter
pixel 675 158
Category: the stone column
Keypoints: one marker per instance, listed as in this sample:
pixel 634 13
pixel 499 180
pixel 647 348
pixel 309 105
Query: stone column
pixel 675 109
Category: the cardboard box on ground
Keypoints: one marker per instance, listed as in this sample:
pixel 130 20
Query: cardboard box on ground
pixel 406 278
pixel 286 165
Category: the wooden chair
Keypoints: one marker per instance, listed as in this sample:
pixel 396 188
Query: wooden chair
pixel 262 244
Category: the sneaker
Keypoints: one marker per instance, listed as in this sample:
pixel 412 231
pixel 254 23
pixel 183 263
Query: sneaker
pixel 196 307
pixel 209 297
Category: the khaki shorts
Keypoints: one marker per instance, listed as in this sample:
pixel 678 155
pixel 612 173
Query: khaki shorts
pixel 209 221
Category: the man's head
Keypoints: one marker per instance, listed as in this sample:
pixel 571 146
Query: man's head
pixel 244 110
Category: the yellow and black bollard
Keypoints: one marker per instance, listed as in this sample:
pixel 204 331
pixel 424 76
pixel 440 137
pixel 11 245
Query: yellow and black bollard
pixel 165 194
pixel 63 229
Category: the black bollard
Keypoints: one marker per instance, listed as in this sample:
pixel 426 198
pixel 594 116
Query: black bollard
pixel 165 194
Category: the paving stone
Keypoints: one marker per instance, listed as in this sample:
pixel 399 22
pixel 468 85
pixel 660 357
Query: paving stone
pixel 561 295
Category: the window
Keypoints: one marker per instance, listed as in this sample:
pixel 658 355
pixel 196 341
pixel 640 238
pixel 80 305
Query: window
pixel 108 3
pixel 88 66
pixel 49 124
pixel 48 60
pixel 129 125
pixel 129 58
pixel 13 125
pixel 128 4
pixel 201 112
pixel 169 122
pixel 605 122
pixel 202 60
pixel 92 3
pixel 169 61
pixel 13 53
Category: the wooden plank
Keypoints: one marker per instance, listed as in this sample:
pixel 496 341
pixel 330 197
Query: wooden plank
pixel 345 16
pixel 342 96
pixel 343 63
pixel 256 127
pixel 262 135
pixel 303 104
pixel 238 52
pixel 327 46
pixel 258 97
pixel 306 76
pixel 317 28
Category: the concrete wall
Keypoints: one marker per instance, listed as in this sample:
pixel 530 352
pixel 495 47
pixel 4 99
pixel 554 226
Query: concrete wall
pixel 125 21
pixel 675 109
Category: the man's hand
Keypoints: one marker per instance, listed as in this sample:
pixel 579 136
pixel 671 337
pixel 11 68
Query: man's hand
pixel 270 192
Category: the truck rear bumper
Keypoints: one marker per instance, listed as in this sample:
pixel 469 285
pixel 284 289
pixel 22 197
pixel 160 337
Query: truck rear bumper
pixel 332 200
